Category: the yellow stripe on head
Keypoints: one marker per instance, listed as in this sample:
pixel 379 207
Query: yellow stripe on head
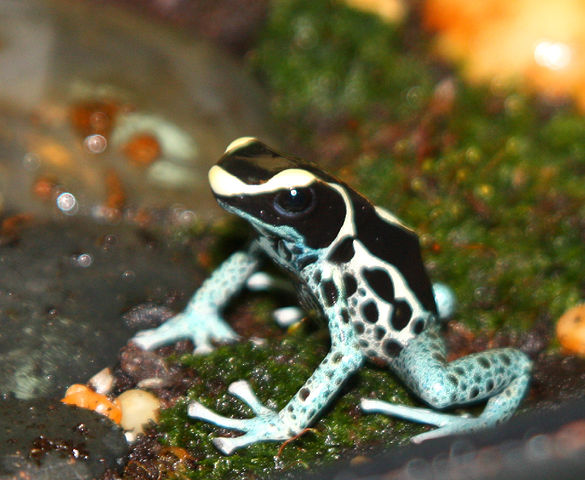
pixel 225 184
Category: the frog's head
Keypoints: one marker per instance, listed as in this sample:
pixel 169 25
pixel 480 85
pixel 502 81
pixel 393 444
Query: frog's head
pixel 280 195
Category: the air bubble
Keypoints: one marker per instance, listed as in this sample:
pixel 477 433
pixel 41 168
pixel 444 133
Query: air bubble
pixel 67 203
pixel 95 143
pixel 84 260
pixel 128 275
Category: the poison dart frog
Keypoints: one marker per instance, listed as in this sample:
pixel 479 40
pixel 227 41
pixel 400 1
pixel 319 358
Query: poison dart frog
pixel 362 267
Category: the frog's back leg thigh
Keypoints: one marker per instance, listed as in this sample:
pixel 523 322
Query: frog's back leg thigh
pixel 500 375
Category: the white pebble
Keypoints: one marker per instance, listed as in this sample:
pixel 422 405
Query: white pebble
pixel 103 381
pixel 138 408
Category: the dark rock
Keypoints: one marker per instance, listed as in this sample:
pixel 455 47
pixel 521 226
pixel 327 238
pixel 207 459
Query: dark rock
pixel 63 291
pixel 44 439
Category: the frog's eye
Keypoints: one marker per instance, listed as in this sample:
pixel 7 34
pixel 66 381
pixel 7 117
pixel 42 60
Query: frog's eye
pixel 294 201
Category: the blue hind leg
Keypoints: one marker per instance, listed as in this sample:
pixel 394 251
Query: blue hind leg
pixel 500 376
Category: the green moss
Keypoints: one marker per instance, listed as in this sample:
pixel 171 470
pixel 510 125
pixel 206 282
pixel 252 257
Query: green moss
pixel 322 59
pixel 276 370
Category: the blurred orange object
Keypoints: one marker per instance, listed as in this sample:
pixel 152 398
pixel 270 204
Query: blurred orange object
pixel 142 149
pixel 84 397
pixel 571 330
pixel 538 44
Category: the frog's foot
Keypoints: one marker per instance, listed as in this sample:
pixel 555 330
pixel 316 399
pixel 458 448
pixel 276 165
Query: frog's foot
pixel 202 328
pixel 261 282
pixel 498 409
pixel 287 316
pixel 448 424
pixel 267 425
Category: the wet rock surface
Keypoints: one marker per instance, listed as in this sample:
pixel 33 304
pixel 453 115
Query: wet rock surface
pixel 44 439
pixel 63 291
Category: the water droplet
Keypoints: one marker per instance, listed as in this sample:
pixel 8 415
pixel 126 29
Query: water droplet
pixel 84 260
pixel 31 161
pixel 67 203
pixel 95 143
pixel 128 275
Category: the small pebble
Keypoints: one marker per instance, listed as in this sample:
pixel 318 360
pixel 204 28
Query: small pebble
pixel 571 330
pixel 138 408
pixel 84 397
pixel 103 381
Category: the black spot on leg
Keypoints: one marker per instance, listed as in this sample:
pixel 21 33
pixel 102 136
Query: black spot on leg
pixel 400 315
pixel 349 284
pixel 344 316
pixel 379 333
pixel 418 326
pixel 474 392
pixel 489 385
pixel 484 362
pixel 392 348
pixel 439 357
pixel 506 359
pixel 304 393
pixel 317 277
pixel 306 261
pixel 453 379
pixel 369 311
pixel 380 282
pixel 343 252
pixel 359 327
pixel 329 291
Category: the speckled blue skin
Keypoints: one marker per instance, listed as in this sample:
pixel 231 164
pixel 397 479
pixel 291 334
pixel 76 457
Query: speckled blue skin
pixel 362 268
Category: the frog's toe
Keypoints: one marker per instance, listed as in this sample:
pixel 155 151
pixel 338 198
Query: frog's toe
pixel 265 426
pixel 201 328
pixel 448 424
pixel 436 433
pixel 413 414
pixel 227 445
pixel 201 412
pixel 242 390
pixel 287 316
pixel 258 431
pixel 152 338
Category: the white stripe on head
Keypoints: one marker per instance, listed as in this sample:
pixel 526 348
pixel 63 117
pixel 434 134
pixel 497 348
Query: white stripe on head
pixel 227 185
pixel 239 143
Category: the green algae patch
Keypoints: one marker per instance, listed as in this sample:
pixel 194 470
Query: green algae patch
pixel 276 369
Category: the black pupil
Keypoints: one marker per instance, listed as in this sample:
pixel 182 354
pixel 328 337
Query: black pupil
pixel 294 200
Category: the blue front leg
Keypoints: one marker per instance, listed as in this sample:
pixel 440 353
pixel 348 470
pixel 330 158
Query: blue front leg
pixel 501 375
pixel 343 359
pixel 201 320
